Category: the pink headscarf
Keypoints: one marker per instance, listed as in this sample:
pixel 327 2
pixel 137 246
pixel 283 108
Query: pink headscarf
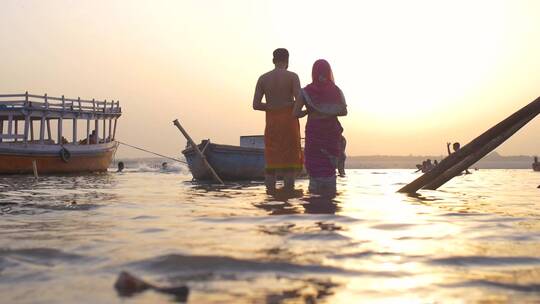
pixel 323 94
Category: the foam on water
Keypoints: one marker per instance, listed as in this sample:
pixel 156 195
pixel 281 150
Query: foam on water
pixel 64 239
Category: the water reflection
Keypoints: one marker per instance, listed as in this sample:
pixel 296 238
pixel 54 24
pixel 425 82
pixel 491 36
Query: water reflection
pixel 320 205
pixel 26 195
pixel 235 243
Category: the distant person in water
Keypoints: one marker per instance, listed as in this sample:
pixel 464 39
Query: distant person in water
pixel 164 166
pixel 120 166
pixel 324 102
pixel 456 146
pixel 428 165
pixel 282 150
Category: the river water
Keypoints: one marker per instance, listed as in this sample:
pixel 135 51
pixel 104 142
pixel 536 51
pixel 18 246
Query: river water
pixel 65 239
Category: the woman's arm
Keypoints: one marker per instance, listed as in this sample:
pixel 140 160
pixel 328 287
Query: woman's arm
pixel 298 105
pixel 343 112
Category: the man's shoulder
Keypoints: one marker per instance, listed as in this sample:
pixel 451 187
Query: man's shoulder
pixel 265 76
pixel 279 72
pixel 293 75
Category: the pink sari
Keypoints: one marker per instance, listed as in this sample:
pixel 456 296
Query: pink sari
pixel 323 134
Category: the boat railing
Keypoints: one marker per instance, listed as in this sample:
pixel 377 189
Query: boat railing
pixel 25 109
pixel 59 104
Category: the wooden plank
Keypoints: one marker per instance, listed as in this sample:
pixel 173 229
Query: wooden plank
pixel 104 123
pixel 11 95
pixel 114 129
pixel 475 147
pixel 74 130
pixel 476 156
pixel 110 129
pixel 49 136
pixel 96 125
pixel 12 102
pixel 42 130
pixel 13 136
pixel 16 129
pixel 88 131
pixel 60 126
pixel 1 128
pixel 26 127
pixel 61 122
pixel 31 130
pixel 110 121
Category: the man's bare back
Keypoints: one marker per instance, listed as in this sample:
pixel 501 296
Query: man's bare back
pixel 279 87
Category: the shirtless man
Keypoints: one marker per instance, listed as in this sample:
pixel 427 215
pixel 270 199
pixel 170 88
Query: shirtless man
pixel 283 154
pixel 456 146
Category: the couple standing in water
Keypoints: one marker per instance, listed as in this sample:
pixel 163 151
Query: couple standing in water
pixel 322 101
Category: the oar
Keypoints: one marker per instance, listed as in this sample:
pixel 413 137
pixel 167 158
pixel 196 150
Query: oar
pixel 196 148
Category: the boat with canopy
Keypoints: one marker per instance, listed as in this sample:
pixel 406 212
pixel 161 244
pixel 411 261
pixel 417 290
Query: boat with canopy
pixel 56 134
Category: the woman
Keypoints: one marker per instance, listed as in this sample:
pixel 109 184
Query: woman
pixel 324 102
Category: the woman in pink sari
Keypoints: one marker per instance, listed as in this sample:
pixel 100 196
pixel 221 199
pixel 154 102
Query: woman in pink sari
pixel 324 102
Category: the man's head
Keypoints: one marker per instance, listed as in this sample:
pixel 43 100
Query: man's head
pixel 456 146
pixel 281 57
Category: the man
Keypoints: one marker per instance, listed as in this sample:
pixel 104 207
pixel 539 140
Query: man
pixel 456 146
pixel 282 149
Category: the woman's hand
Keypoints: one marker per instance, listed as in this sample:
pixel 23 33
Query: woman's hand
pixel 298 105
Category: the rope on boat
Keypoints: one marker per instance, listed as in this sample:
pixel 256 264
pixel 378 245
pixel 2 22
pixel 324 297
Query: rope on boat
pixel 147 151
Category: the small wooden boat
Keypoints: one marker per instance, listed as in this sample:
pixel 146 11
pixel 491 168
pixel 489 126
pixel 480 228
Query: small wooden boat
pixel 244 162
pixel 536 164
pixel 21 149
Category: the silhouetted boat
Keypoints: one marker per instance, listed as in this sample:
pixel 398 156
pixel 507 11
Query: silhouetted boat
pixel 230 162
pixel 21 149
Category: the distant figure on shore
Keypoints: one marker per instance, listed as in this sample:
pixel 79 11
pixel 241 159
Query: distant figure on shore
pixel 282 149
pixel 456 146
pixel 536 164
pixel 164 166
pixel 324 102
pixel 120 166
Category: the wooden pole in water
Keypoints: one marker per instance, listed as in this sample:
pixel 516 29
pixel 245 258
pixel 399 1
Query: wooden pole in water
pixel 196 148
pixel 34 167
pixel 455 163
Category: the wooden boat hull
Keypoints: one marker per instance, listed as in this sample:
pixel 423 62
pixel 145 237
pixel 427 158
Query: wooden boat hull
pixel 16 158
pixel 232 163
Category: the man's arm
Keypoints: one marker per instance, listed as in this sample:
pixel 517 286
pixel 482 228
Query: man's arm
pixel 257 97
pixel 448 148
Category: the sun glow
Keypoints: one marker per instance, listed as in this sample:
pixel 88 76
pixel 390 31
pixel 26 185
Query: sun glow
pixel 430 70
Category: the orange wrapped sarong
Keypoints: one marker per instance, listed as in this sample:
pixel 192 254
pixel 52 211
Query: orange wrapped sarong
pixel 282 150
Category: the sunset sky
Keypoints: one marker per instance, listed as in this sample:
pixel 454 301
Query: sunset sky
pixel 416 74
